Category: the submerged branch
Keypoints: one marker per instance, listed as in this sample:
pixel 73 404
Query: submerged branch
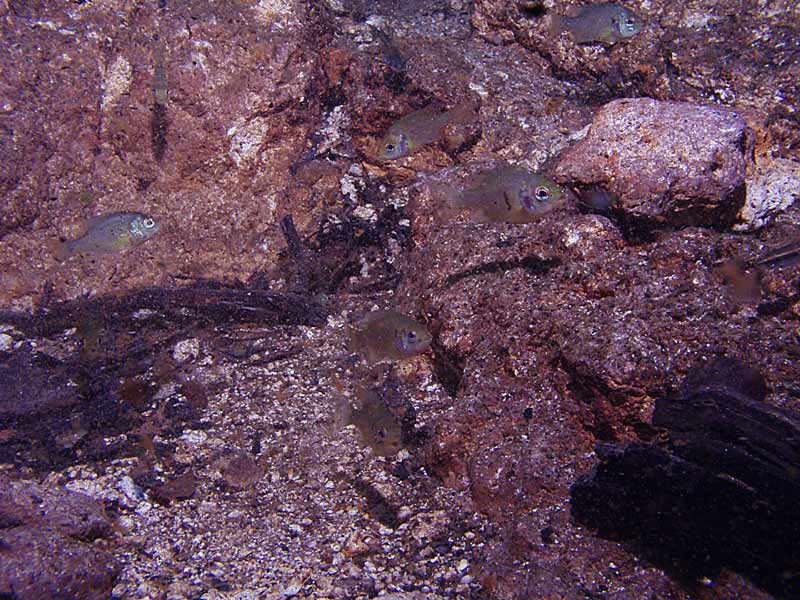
pixel 207 304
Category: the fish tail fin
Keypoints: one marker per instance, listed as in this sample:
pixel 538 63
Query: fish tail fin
pixel 61 251
pixel 343 412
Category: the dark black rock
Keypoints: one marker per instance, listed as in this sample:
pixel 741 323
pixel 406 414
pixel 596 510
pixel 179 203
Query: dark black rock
pixel 720 491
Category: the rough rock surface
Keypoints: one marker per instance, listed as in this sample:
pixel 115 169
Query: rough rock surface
pixel 743 56
pixel 78 113
pixel 593 330
pixel 215 432
pixel 664 163
pixel 771 189
pixel 48 541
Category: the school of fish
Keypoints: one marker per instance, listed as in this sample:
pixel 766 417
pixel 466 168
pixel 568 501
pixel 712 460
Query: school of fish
pixel 505 193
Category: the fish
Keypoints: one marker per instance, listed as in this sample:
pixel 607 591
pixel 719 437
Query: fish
pixel 505 194
pixel 109 233
pixel 386 334
pixel 378 426
pixel 603 22
pixel 744 282
pixel 746 278
pixel 420 128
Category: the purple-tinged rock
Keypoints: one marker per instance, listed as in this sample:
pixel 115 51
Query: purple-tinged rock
pixel 664 163
pixel 48 543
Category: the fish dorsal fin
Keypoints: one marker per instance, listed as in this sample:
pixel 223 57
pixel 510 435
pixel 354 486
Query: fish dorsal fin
pixel 98 219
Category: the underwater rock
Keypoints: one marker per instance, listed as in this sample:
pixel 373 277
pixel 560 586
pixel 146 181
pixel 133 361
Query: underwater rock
pixel 181 487
pixel 743 56
pixel 551 336
pixel 772 188
pixel 664 163
pixel 241 471
pixel 47 543
pixel 721 490
pixel 32 383
pixel 240 101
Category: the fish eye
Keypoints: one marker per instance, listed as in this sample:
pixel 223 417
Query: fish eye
pixel 542 194
pixel 412 336
pixel 390 147
pixel 149 222
pixel 630 23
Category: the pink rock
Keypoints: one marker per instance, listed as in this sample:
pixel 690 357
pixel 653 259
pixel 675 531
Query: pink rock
pixel 672 163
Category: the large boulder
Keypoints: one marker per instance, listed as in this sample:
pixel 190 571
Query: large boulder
pixel 664 163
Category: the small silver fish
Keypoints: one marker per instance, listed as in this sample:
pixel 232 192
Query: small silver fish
pixel 603 22
pixel 505 194
pixel 386 334
pixel 421 128
pixel 109 233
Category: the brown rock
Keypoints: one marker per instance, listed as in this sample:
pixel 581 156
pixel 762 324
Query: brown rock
pixel 243 91
pixel 664 163
pixel 181 487
pixel 548 336
pixel 558 334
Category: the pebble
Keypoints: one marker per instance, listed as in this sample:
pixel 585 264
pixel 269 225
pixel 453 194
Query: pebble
pixel 132 491
pixel 186 349
pixel 194 437
pixel 206 508
pixel 6 341
pixel 292 589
